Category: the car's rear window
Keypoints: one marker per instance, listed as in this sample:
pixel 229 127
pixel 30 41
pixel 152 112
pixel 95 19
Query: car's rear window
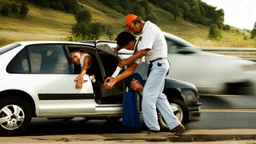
pixel 6 48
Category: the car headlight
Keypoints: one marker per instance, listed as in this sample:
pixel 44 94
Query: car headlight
pixel 188 94
pixel 248 67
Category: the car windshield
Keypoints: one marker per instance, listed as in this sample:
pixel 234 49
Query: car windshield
pixel 6 48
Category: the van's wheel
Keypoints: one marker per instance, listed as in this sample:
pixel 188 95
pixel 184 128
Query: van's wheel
pixel 180 110
pixel 15 115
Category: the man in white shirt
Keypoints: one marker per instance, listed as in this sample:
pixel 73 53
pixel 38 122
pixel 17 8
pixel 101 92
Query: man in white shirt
pixel 153 46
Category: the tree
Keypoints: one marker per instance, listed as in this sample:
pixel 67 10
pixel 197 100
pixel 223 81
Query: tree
pixel 6 9
pixel 80 31
pixel 83 16
pixel 15 9
pixel 253 32
pixel 140 11
pixel 95 31
pixel 151 17
pixel 226 28
pixel 214 32
pixel 107 29
pixel 23 10
pixel 176 12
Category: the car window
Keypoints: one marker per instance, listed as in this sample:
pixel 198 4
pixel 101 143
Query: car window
pixel 45 59
pixel 172 45
pixel 19 64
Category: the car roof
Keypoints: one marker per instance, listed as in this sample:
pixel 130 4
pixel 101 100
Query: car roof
pixel 177 39
pixel 50 42
pixel 103 45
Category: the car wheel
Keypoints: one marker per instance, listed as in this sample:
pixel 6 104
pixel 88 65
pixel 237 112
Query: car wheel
pixel 180 110
pixel 15 115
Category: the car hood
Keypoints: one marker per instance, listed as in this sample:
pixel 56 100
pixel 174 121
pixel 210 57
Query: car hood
pixel 231 59
pixel 178 84
pixel 207 54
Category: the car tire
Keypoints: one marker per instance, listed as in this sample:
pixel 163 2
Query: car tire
pixel 113 119
pixel 15 115
pixel 179 108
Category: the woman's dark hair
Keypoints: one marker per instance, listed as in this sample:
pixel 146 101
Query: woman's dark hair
pixel 74 50
pixel 124 38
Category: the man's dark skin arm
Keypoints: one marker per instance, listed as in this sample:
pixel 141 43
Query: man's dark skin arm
pixel 117 49
pixel 137 55
pixel 110 81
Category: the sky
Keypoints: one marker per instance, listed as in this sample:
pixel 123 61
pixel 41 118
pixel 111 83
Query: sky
pixel 238 13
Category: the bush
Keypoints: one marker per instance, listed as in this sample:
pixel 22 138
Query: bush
pixel 83 16
pixel 246 37
pixel 57 6
pixel 71 6
pixel 151 17
pixel 214 32
pixel 253 33
pixel 6 10
pixel 226 28
pixel 107 30
pixel 23 10
pixel 15 9
pixel 80 31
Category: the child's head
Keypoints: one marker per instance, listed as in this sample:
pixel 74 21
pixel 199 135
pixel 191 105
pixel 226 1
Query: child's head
pixel 126 40
pixel 75 56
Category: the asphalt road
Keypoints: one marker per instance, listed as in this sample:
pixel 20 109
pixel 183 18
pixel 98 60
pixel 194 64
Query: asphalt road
pixel 226 112
pixel 217 112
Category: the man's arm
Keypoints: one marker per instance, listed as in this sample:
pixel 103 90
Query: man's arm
pixel 137 55
pixel 110 82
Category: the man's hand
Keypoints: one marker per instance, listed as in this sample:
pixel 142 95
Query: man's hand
pixel 79 82
pixel 109 83
pixel 122 63
pixel 136 85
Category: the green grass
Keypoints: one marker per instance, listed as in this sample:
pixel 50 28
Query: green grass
pixel 47 24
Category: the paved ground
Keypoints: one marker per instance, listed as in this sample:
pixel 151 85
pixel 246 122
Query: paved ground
pixel 236 136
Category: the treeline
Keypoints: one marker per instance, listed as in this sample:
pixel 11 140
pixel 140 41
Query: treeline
pixel 138 7
pixel 20 9
pixel 190 10
pixel 70 6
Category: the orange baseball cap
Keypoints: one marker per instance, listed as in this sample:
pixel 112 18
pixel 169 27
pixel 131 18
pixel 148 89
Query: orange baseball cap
pixel 129 18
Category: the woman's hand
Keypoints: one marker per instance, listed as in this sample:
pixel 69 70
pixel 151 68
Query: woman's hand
pixel 79 82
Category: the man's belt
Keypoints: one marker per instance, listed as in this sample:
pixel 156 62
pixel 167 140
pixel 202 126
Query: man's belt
pixel 156 60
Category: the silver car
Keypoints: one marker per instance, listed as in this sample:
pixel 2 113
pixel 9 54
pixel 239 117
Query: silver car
pixel 37 80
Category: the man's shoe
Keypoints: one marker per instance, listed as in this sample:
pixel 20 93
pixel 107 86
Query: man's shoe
pixel 153 132
pixel 178 130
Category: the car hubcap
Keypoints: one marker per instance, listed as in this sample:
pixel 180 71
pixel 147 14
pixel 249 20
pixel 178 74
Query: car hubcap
pixel 11 117
pixel 177 111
